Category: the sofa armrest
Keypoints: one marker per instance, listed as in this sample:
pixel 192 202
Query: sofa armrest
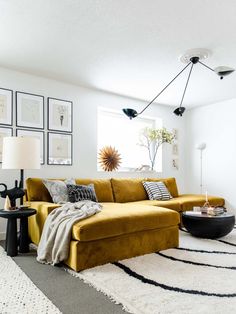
pixel 36 222
pixel 188 201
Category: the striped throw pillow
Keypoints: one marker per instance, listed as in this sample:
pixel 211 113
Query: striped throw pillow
pixel 157 191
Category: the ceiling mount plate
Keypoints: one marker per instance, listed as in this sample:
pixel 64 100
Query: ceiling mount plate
pixel 201 53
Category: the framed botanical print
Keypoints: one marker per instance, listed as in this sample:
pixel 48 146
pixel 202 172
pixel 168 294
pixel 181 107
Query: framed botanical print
pixel 29 110
pixel 59 149
pixel 59 115
pixel 175 149
pixel 37 134
pixel 4 132
pixel 6 106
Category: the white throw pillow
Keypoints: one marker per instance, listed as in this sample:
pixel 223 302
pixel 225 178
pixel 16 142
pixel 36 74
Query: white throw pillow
pixel 58 190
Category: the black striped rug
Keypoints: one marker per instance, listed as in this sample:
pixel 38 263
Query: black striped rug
pixel 198 277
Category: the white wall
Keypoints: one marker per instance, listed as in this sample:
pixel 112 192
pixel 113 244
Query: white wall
pixel 216 126
pixel 85 102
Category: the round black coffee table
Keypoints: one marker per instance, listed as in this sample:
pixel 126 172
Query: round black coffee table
pixel 11 234
pixel 206 226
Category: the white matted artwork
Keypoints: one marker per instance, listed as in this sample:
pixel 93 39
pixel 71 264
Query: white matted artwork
pixel 175 149
pixel 6 99
pixel 59 149
pixel 36 134
pixel 29 110
pixel 4 132
pixel 60 115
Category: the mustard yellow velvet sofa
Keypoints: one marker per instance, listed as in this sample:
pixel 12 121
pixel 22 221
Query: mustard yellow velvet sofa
pixel 129 224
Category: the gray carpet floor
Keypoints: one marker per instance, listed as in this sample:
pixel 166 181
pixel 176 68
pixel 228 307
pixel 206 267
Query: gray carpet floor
pixel 71 295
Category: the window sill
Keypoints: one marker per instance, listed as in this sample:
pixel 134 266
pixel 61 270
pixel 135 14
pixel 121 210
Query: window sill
pixel 130 171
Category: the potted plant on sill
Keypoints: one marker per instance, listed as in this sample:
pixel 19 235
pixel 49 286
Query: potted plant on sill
pixel 152 139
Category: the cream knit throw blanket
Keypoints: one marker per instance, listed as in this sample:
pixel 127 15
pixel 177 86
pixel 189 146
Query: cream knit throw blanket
pixel 54 244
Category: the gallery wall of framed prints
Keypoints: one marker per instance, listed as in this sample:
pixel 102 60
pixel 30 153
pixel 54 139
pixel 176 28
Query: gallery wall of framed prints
pixel 52 126
pixel 59 142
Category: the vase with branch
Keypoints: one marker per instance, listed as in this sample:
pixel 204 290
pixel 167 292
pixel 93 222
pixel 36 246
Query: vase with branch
pixel 152 139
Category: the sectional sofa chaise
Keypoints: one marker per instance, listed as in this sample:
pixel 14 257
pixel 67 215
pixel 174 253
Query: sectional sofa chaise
pixel 128 225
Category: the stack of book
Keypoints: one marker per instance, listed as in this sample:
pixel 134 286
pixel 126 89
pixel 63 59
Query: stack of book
pixel 213 211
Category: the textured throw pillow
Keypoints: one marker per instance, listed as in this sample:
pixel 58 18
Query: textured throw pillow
pixel 58 190
pixel 157 191
pixel 78 193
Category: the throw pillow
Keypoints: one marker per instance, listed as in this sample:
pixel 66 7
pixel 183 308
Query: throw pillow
pixel 157 191
pixel 58 190
pixel 78 193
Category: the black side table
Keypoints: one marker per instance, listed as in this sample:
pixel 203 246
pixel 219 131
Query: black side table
pixel 206 226
pixel 11 234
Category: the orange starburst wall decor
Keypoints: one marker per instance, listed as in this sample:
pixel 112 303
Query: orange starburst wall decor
pixel 109 158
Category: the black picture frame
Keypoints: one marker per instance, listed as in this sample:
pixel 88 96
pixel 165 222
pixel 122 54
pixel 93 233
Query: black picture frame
pixel 42 145
pixel 11 134
pixel 11 106
pixel 19 123
pixel 57 127
pixel 57 161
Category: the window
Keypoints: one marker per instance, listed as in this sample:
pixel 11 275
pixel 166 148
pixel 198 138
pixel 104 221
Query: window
pixel 114 129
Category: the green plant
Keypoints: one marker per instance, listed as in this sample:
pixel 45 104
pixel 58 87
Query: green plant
pixel 152 139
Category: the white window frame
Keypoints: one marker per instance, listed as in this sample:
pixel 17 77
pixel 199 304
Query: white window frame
pixel 156 122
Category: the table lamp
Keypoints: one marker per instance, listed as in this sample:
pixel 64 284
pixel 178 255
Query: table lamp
pixel 21 153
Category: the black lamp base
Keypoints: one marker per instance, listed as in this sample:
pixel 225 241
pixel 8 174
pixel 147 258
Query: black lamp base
pixel 21 184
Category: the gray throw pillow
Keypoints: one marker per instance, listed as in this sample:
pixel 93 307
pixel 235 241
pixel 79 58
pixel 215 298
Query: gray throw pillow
pixel 78 193
pixel 58 190
pixel 157 191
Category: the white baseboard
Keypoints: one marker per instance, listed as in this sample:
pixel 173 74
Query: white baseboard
pixel 2 236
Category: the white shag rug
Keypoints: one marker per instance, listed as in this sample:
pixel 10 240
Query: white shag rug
pixel 18 294
pixel 197 278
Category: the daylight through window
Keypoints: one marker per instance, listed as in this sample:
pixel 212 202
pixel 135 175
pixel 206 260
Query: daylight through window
pixel 114 129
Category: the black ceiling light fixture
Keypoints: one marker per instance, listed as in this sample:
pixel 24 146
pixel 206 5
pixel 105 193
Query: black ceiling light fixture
pixel 191 57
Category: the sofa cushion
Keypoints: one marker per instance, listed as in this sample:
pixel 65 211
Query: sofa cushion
pixel 128 190
pixel 183 202
pixel 188 201
pixel 170 184
pixel 119 219
pixel 36 190
pixel 170 204
pixel 102 188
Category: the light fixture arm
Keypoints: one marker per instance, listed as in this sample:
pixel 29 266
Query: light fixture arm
pixel 164 88
pixel 186 85
pixel 206 66
pixel 192 59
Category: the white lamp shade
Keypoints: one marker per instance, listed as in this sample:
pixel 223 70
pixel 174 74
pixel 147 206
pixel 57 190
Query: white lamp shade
pixel 201 146
pixel 21 153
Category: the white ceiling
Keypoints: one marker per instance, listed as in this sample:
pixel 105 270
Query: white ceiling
pixel 129 47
